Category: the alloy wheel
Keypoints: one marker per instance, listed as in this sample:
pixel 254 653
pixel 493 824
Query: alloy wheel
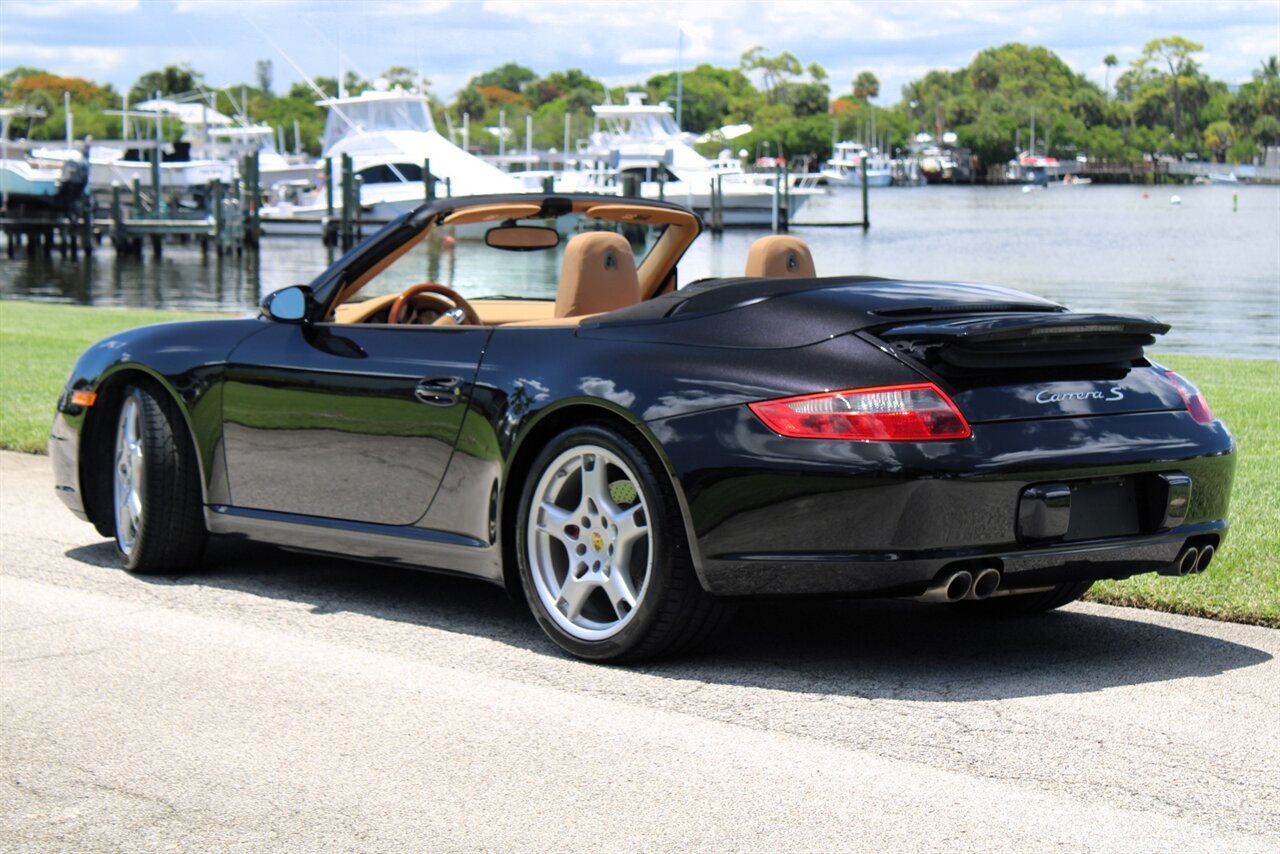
pixel 128 471
pixel 589 542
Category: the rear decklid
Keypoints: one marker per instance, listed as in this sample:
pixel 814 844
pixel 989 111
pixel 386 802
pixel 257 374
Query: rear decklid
pixel 752 313
pixel 1038 364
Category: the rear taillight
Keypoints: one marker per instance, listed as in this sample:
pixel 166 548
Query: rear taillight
pixel 908 413
pixel 1191 396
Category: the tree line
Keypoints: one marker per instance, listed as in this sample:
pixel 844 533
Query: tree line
pixel 1161 104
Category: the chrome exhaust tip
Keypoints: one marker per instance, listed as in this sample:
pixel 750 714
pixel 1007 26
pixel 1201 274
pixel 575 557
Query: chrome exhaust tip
pixel 1202 562
pixel 1181 565
pixel 949 588
pixel 985 583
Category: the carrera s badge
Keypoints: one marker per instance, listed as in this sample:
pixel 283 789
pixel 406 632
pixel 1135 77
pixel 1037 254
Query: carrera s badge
pixel 1062 396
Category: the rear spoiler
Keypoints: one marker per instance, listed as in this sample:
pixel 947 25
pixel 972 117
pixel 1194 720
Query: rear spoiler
pixel 1025 340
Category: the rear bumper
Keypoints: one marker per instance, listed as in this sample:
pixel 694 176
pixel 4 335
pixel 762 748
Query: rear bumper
pixel 910 574
pixel 772 516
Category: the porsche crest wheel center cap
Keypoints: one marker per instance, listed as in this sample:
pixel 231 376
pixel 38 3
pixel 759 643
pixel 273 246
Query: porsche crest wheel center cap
pixel 597 541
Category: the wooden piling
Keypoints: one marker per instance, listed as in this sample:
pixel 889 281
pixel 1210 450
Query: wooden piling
pixel 328 187
pixel 866 210
pixel 348 182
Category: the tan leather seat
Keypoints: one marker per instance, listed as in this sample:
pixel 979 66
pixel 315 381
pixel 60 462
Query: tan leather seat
pixel 598 274
pixel 780 256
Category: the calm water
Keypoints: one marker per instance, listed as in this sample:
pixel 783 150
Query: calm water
pixel 1214 274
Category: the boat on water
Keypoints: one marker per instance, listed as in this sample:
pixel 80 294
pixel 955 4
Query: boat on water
pixel 230 144
pixel 29 187
pixel 642 140
pixel 942 163
pixel 1031 168
pixel 844 169
pixel 389 135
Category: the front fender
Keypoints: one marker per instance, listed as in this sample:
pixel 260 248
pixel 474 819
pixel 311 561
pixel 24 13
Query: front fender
pixel 185 359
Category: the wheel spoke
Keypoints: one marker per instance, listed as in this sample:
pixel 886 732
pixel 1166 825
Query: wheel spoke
pixel 595 483
pixel 573 595
pixel 621 593
pixel 632 525
pixel 554 521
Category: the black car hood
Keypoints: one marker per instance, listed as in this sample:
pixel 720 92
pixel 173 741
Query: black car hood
pixel 775 313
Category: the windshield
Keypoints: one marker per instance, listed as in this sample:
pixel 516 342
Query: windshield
pixel 458 256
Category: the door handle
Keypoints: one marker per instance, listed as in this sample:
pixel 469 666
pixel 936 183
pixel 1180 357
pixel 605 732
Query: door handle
pixel 439 391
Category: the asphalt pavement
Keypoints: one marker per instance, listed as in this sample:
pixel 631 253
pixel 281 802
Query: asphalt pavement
pixel 278 702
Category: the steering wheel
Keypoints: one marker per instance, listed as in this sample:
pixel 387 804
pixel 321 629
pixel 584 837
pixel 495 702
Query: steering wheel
pixel 405 298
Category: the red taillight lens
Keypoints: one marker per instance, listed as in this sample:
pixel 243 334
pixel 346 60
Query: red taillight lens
pixel 1191 396
pixel 906 413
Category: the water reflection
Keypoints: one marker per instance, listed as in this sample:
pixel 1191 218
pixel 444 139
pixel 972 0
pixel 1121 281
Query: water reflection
pixel 182 278
pixel 1211 272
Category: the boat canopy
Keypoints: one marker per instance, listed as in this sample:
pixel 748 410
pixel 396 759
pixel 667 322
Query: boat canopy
pixel 374 112
pixel 636 120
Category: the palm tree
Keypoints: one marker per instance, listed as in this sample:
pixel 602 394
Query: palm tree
pixel 1111 62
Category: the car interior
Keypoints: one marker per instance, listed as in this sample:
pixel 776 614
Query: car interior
pixel 611 255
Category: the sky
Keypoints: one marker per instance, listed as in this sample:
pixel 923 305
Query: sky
pixel 617 42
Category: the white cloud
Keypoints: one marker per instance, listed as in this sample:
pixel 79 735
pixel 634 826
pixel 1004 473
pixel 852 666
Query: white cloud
pixel 411 7
pixel 225 7
pixel 65 8
pixel 897 41
pixel 69 60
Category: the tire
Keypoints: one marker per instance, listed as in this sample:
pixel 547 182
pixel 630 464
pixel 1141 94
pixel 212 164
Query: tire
pixel 156 503
pixel 1027 603
pixel 602 552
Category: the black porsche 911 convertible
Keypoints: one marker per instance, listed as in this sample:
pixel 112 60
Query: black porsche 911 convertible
pixel 629 455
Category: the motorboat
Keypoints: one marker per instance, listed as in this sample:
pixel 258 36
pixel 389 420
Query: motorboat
pixel 233 143
pixel 112 164
pixel 25 185
pixel 642 142
pixel 389 135
pixel 844 169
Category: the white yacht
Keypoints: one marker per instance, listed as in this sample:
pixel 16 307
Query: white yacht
pixel 844 169
pixel 232 143
pixel 108 164
pixel 643 140
pixel 389 135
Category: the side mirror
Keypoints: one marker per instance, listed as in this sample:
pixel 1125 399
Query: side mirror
pixel 289 305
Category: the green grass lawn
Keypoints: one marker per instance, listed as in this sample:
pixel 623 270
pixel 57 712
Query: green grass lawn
pixel 1244 582
pixel 39 342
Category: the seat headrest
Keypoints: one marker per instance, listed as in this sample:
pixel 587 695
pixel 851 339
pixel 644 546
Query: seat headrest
pixel 598 274
pixel 780 256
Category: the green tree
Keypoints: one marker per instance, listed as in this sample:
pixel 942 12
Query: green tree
pixel 327 85
pixel 578 89
pixel 1180 73
pixel 775 71
pixel 170 80
pixel 262 73
pixel 1266 130
pixel 511 77
pixel 713 97
pixel 406 78
pixel 354 84
pixel 1110 61
pixel 1218 137
pixel 866 86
